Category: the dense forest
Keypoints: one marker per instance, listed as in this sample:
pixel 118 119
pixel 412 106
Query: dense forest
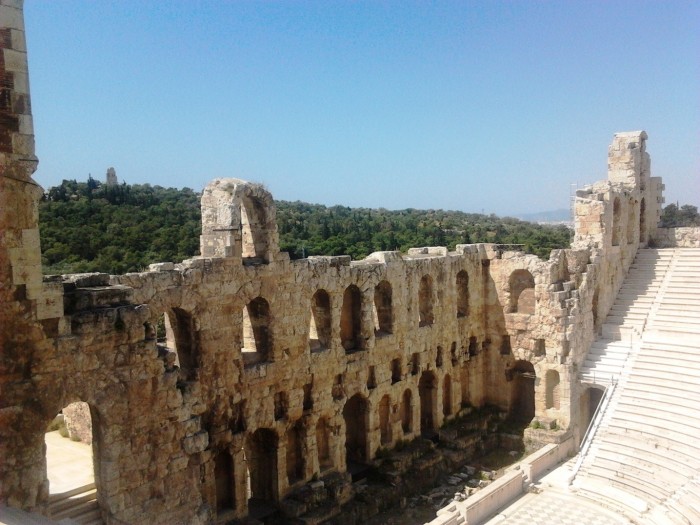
pixel 90 226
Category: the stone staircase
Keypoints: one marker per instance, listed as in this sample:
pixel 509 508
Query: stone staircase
pixel 78 506
pixel 627 318
pixel 645 456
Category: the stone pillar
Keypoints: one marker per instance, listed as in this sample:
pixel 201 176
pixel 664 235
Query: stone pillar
pixel 625 158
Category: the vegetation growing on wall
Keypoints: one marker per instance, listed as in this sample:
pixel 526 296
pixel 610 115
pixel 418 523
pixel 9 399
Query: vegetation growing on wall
pixel 90 226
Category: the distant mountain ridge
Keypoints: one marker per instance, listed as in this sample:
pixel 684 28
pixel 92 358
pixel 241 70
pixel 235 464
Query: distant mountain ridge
pixel 559 215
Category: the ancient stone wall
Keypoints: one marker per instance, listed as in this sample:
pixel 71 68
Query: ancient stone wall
pixel 232 379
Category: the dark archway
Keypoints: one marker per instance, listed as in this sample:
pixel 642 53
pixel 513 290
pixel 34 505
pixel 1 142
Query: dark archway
pixel 351 319
pixel 447 396
pixel 427 390
pixel 320 324
pixel 261 453
pixel 385 420
pixel 295 453
pixel 176 331
pixel 383 310
pixel 643 221
pixel 617 216
pixel 356 415
pixel 522 392
pixel 323 447
pixel 462 294
pixel 425 301
pixel 407 411
pixel 224 479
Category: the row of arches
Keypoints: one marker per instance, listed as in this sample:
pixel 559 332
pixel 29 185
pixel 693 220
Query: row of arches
pixel 631 222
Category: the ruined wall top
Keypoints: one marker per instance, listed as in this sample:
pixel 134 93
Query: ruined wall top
pixel 628 162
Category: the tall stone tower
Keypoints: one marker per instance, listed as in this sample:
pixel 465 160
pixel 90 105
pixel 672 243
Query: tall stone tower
pixel 28 307
pixel 111 177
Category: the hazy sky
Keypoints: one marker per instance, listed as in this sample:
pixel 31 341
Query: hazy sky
pixel 493 106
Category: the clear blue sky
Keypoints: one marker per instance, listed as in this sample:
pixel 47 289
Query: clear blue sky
pixel 494 106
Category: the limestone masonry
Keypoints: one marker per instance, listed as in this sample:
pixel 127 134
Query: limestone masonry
pixel 274 374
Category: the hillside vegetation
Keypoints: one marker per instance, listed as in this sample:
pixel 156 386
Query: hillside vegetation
pixel 89 226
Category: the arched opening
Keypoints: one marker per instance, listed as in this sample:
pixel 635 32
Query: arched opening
pixel 72 449
pixel 594 309
pixel 257 337
pixel 462 294
pixel 175 331
pixel 356 415
pixel 522 377
pixel 425 301
pixel 407 411
pixel 447 396
pixel 351 319
pixel 617 212
pixel 295 453
pixel 224 479
pixel 631 222
pixel 254 248
pixel 552 389
pixel 383 314
pixel 384 420
pixel 320 324
pixel 261 453
pixel 643 221
pixel 522 292
pixel 427 390
pixel 464 384
pixel 438 357
pixel 323 448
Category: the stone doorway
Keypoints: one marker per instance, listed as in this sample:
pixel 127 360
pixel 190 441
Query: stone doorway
pixel 427 391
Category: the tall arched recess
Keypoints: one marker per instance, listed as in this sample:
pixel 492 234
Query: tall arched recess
pixel 239 220
pixel 383 314
pixel 351 319
pixel 522 292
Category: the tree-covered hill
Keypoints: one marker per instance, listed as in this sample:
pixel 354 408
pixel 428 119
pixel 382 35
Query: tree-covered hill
pixel 89 226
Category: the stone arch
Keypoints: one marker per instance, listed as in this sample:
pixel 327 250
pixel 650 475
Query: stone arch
pixel 351 319
pixel 77 428
pixel 385 420
pixel 407 411
pixel 295 453
pixel 224 482
pixel 177 331
pixel 522 292
pixel 617 216
pixel 464 383
pixel 551 379
pixel 321 322
pixel 462 294
pixel 643 221
pixel 356 416
pixel 238 220
pixel 323 448
pixel 425 301
pixel 261 455
pixel 631 222
pixel 257 332
pixel 383 310
pixel 447 396
pixel 522 406
pixel 427 390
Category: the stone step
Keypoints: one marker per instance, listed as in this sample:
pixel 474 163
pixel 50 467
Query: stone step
pixel 668 388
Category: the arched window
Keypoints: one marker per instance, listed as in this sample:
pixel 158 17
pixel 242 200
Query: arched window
pixel 427 390
pixel 522 292
pixel 320 324
pixel 176 331
pixel 617 212
pixel 351 319
pixel 295 453
pixel 261 455
pixel 356 415
pixel 383 315
pixel 425 301
pixel 462 294
pixel 257 336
